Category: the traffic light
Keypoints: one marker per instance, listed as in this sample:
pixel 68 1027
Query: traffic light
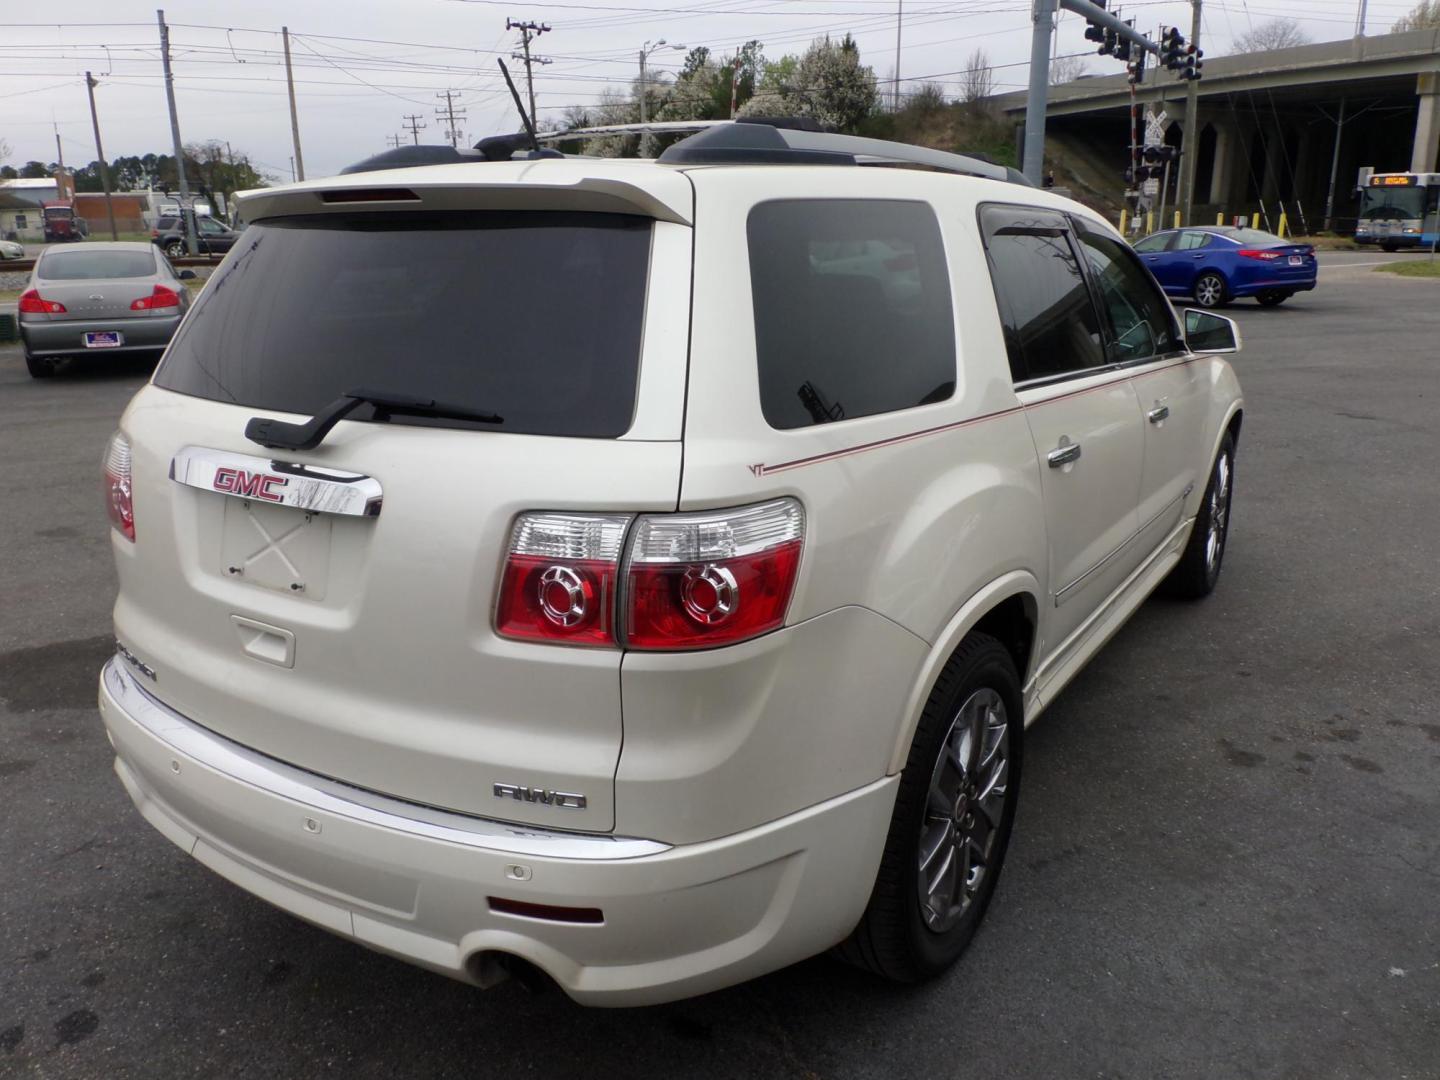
pixel 1192 63
pixel 1136 67
pixel 1172 48
pixel 1097 33
pixel 1159 154
pixel 1109 40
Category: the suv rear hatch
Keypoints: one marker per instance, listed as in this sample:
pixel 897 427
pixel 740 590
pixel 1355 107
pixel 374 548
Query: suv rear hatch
pixel 358 642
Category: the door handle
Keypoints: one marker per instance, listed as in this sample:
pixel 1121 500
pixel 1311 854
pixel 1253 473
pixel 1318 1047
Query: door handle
pixel 1197 256
pixel 1157 414
pixel 1063 454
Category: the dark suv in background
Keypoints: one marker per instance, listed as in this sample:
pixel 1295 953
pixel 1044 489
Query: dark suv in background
pixel 211 236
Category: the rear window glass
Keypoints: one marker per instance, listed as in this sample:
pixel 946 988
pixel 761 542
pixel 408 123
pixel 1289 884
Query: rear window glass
pixel 852 309
pixel 1256 238
pixel 536 316
pixel 96 265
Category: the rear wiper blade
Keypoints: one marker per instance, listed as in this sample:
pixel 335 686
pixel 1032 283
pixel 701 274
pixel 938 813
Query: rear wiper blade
pixel 278 435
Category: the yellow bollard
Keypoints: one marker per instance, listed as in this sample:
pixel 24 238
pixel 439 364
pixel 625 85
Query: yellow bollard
pixel 1149 222
pixel 1177 219
pixel 1220 218
pixel 1124 220
pixel 1284 225
pixel 1255 220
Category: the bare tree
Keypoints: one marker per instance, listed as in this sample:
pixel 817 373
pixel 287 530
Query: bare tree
pixel 1065 69
pixel 977 81
pixel 4 151
pixel 1423 16
pixel 1268 36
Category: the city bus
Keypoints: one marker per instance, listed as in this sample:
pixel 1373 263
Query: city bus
pixel 1399 210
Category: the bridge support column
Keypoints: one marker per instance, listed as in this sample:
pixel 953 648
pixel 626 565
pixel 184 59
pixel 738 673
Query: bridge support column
pixel 1427 124
pixel 1222 171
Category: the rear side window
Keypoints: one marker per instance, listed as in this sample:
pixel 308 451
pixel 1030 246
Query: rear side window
pixel 1151 244
pixel 1191 241
pixel 536 316
pixel 1051 327
pixel 853 315
pixel 96 265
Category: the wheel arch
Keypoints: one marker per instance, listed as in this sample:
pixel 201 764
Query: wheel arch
pixel 1008 609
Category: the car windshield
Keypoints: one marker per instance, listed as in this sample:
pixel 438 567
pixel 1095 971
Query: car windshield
pixel 96 265
pixel 1392 203
pixel 533 315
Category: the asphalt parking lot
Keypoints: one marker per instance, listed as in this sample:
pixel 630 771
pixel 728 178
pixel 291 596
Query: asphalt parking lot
pixel 1226 861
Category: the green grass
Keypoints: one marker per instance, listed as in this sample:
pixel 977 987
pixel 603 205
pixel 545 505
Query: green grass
pixel 1429 268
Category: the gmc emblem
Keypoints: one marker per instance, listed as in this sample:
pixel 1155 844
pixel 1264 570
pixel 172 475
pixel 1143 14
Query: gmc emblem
pixel 250 485
pixel 567 800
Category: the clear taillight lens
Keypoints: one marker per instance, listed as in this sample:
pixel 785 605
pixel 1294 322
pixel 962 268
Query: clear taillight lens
pixel 117 486
pixel 160 298
pixel 698 581
pixel 560 578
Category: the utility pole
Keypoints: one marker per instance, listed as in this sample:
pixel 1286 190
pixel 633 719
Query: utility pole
pixel 294 118
pixel 99 153
pixel 1034 162
pixel 59 152
pixel 1190 134
pixel 1360 19
pixel 395 141
pixel 1334 169
pixel 187 208
pixel 292 168
pixel 412 121
pixel 448 114
pixel 529 31
pixel 899 22
pixel 645 51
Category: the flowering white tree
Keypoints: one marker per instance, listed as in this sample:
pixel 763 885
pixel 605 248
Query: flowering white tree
pixel 828 82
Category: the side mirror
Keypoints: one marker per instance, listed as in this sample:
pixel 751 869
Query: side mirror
pixel 1206 332
pixel 186 275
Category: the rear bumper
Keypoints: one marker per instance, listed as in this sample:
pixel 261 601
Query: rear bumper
pixel 1289 285
pixel 68 338
pixel 414 882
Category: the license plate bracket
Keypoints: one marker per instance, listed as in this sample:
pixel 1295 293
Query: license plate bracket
pixel 1296 260
pixel 104 339
pixel 277 547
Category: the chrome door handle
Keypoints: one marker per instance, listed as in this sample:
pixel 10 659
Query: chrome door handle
pixel 1197 256
pixel 1160 412
pixel 1063 454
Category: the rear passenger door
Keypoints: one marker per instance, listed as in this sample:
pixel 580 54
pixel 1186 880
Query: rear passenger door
pixel 1142 333
pixel 1079 405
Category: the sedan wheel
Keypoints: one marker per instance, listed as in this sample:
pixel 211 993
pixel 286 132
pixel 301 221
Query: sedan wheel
pixel 1210 290
pixel 175 249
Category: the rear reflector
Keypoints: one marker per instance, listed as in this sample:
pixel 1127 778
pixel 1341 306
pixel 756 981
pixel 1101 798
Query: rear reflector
pixel 546 911
pixel 560 578
pixel 117 486
pixel 699 581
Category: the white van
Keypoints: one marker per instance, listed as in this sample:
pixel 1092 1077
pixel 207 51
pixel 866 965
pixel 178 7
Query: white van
pixel 643 572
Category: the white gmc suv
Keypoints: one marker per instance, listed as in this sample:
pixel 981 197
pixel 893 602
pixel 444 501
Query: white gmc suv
pixel 643 572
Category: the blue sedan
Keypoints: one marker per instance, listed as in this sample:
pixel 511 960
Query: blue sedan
pixel 1217 264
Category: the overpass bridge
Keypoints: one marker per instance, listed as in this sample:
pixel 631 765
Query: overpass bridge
pixel 1274 126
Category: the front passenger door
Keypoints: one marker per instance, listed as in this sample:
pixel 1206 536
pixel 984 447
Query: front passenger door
pixel 1080 408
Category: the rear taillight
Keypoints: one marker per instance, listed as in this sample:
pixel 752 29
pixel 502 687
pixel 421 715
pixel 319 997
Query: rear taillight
pixel 696 581
pixel 560 578
pixel 1263 256
pixel 692 581
pixel 32 303
pixel 160 298
pixel 117 486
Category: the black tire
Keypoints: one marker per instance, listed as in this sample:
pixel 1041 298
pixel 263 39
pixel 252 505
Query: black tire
pixel 38 367
pixel 1195 575
pixel 1391 248
pixel 894 939
pixel 175 249
pixel 1211 291
pixel 1272 297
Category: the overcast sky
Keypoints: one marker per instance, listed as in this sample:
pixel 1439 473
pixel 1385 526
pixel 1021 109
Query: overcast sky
pixel 353 93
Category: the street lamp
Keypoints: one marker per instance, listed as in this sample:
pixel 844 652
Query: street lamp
pixel 645 52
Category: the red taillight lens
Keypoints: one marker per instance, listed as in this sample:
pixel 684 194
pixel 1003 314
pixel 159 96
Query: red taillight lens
pixel 117 486
pixel 33 303
pixel 160 298
pixel 1263 256
pixel 699 581
pixel 560 578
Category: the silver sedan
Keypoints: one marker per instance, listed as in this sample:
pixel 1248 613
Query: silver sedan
pixel 95 298
pixel 9 249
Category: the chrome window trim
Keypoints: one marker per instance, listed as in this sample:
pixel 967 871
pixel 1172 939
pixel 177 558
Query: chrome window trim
pixel 245 766
pixel 307 487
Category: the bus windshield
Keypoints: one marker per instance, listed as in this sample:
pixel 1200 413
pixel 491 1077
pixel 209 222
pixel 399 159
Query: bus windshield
pixel 1392 203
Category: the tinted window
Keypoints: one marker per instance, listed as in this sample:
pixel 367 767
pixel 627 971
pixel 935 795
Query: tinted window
pixel 852 309
pixel 1255 238
pixel 1191 241
pixel 535 316
pixel 1050 322
pixel 1139 316
pixel 96 265
pixel 1151 244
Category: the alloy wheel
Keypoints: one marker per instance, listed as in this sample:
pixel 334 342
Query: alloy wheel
pixel 963 810
pixel 1209 291
pixel 1219 514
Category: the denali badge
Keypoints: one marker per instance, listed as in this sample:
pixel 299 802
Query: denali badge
pixel 566 799
pixel 144 668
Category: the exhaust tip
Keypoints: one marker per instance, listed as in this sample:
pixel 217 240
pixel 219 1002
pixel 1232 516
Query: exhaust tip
pixel 491 968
